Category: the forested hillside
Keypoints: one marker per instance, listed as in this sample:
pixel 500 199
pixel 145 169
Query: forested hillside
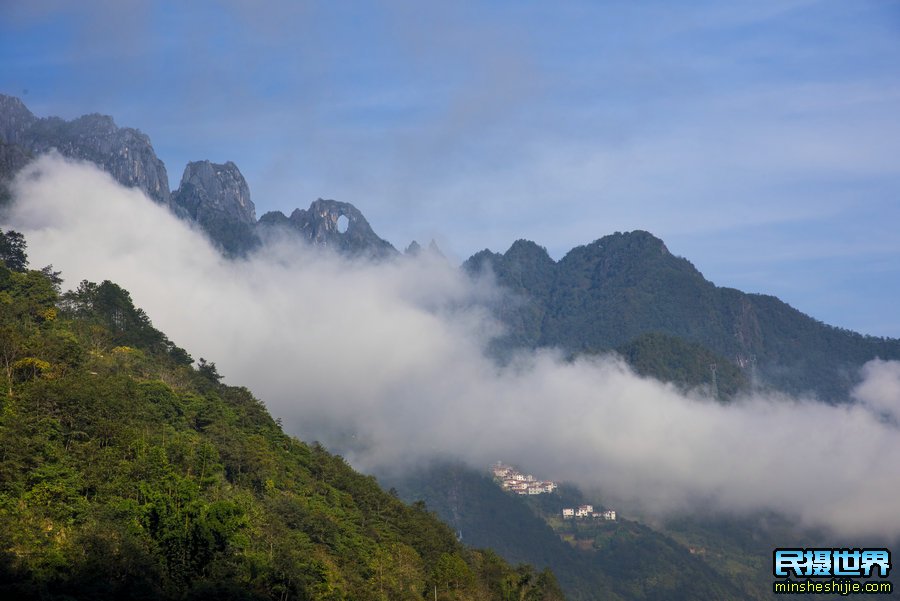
pixel 126 473
pixel 604 295
pixel 628 561
pixel 686 364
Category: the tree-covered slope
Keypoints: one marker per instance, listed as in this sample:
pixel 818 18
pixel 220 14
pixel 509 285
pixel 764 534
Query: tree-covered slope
pixel 686 364
pixel 629 561
pixel 127 473
pixel 608 293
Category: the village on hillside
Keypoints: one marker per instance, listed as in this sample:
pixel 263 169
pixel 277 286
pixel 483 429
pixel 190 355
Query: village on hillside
pixel 587 511
pixel 515 481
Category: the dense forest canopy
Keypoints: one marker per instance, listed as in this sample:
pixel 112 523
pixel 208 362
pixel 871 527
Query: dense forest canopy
pixel 127 473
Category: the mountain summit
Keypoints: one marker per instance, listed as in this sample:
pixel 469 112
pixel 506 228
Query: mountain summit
pixel 217 197
pixel 214 196
pixel 321 225
pixel 212 188
pixel 15 119
pixel 609 293
pixel 123 152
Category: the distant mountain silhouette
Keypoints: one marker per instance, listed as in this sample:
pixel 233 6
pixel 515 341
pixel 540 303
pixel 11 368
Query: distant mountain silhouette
pixel 606 294
pixel 603 296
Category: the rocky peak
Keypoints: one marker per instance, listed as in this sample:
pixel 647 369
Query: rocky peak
pixel 333 224
pixel 415 249
pixel 15 118
pixel 634 241
pixel 434 249
pixel 526 251
pixel 483 259
pixel 615 251
pixel 96 124
pixel 215 188
pixel 124 153
pixel 215 196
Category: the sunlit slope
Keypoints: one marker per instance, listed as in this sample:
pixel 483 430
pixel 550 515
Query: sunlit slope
pixel 127 473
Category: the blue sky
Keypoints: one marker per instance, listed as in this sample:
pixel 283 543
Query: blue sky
pixel 759 139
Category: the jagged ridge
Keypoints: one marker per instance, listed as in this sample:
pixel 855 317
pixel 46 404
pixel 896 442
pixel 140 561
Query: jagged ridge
pixel 318 225
pixel 215 196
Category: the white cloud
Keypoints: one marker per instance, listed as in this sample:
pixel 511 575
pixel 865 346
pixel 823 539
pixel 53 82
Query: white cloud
pixel 387 358
pixel 880 388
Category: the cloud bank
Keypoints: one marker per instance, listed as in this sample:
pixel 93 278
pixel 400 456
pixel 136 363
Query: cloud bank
pixel 386 360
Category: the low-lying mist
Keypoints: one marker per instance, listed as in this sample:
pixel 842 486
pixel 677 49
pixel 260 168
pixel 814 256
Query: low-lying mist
pixel 385 361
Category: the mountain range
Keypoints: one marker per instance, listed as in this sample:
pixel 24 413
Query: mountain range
pixel 600 297
pixel 214 196
pixel 624 293
pixel 609 293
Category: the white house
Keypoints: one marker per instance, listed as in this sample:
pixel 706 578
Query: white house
pixel 584 511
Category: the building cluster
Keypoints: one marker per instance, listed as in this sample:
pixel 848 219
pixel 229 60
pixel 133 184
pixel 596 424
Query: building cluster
pixel 522 484
pixel 587 511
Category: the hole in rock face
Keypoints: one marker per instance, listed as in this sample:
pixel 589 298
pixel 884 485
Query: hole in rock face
pixel 342 224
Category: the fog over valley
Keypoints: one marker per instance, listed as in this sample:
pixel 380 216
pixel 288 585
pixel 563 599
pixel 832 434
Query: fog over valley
pixel 385 362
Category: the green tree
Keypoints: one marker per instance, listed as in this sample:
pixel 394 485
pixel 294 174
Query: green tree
pixel 12 250
pixel 452 574
pixel 397 573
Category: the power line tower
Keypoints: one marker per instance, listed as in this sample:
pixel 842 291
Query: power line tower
pixel 715 381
